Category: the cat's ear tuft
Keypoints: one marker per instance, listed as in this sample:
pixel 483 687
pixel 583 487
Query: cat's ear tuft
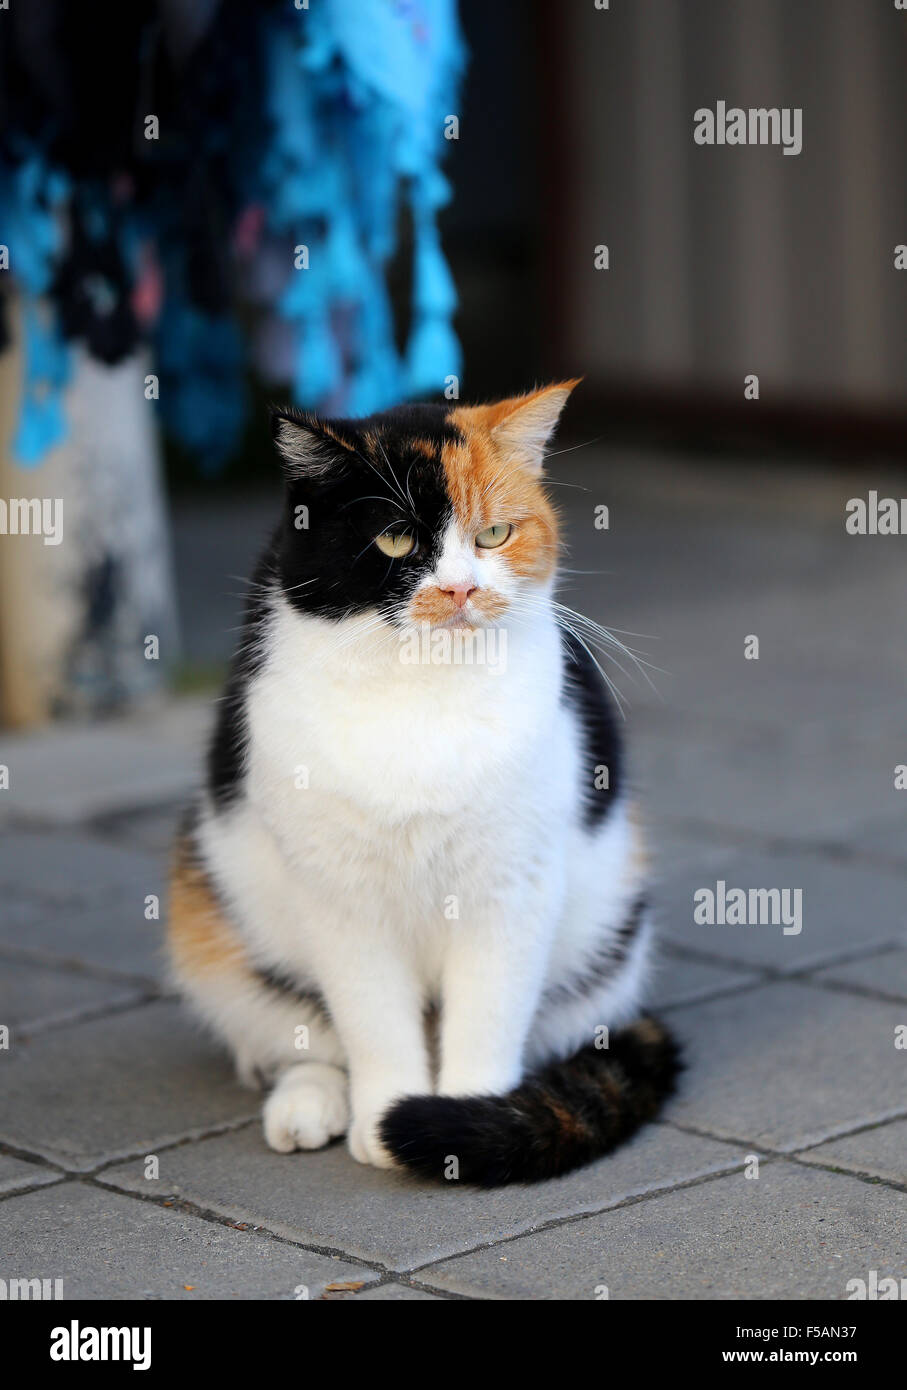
pixel 308 447
pixel 522 426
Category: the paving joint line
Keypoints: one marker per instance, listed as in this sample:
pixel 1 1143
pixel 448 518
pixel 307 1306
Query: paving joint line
pixel 767 974
pixel 29 1156
pixel 26 1191
pixel 573 1218
pixel 738 838
pixel 793 1156
pixel 405 1274
pixel 58 1164
pixel 39 1028
pixel 72 965
pixel 864 991
pixel 37 821
pixel 181 1142
pixel 216 1218
pixel 721 992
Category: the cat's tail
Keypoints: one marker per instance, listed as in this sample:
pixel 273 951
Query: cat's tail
pixel 561 1117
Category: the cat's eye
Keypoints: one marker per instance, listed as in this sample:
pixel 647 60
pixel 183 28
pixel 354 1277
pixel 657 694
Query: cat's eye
pixel 493 536
pixel 396 544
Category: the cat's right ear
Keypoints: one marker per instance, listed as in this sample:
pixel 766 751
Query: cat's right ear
pixel 308 447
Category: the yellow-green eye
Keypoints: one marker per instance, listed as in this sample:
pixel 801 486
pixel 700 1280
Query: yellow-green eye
pixel 493 536
pixel 396 544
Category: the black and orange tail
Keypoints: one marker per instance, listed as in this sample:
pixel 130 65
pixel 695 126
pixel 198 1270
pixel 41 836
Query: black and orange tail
pixel 563 1116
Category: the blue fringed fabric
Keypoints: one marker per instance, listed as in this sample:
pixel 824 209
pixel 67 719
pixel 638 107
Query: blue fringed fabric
pixel 31 196
pixel 359 99
pixel 337 138
pixel 46 367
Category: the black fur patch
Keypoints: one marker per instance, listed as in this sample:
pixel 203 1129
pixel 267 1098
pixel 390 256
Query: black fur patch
pixel 605 965
pixel 378 476
pixel 227 750
pixel 566 1115
pixel 382 473
pixel 585 691
pixel 279 982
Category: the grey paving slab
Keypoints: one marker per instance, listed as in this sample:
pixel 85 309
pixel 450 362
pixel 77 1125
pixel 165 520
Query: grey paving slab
pixel 74 772
pixel 880 1152
pixel 886 838
pixel 788 1065
pixel 697 565
pixel 151 831
pixel 396 1293
pixel 327 1199
pixel 16 1176
pixel 672 845
pixel 72 898
pixel 790 781
pixel 884 974
pixel 676 980
pixel 70 870
pixel 817 615
pixel 799 503
pixel 103 1245
pixel 99 1090
pixel 806 682
pixel 685 536
pixel 847 909
pixel 110 938
pixel 34 997
pixel 790 1233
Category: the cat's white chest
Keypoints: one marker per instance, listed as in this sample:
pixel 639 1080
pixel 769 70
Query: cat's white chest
pixel 402 790
pixel 395 741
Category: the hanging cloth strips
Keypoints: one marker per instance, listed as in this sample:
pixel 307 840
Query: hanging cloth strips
pixel 329 121
pixel 358 96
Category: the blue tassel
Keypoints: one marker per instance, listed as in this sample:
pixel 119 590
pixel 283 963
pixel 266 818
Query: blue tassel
pixel 318 366
pixel 433 354
pixel 42 423
pixel 355 93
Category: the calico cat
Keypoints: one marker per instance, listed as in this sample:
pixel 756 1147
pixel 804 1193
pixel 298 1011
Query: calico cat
pixel 412 896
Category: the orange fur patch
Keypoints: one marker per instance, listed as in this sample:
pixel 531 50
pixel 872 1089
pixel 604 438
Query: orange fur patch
pixel 571 1125
pixel 486 490
pixel 648 1031
pixel 201 940
pixel 433 606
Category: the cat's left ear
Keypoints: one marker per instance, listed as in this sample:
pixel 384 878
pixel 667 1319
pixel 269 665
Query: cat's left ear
pixel 522 426
pixel 309 448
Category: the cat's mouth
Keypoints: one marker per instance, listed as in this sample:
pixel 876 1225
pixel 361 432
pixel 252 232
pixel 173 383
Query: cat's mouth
pixel 460 619
pixel 432 607
pixel 463 620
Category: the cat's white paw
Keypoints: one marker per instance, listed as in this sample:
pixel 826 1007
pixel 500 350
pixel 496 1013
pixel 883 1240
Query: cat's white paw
pixel 307 1108
pixel 363 1141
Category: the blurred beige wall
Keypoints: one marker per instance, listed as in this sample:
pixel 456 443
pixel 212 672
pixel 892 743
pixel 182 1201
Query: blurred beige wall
pixel 736 260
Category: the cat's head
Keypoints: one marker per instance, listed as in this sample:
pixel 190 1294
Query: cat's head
pixel 427 513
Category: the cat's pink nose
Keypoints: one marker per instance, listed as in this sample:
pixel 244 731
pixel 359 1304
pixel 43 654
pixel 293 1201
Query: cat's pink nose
pixel 460 593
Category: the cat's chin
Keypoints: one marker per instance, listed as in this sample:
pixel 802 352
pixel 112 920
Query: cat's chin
pixel 471 619
pixel 462 622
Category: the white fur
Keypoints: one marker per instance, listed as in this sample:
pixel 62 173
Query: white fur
pixel 436 854
pixel 307 1107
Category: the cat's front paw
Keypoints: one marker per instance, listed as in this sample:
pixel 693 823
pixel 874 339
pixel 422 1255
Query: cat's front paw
pixel 307 1108
pixel 364 1143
